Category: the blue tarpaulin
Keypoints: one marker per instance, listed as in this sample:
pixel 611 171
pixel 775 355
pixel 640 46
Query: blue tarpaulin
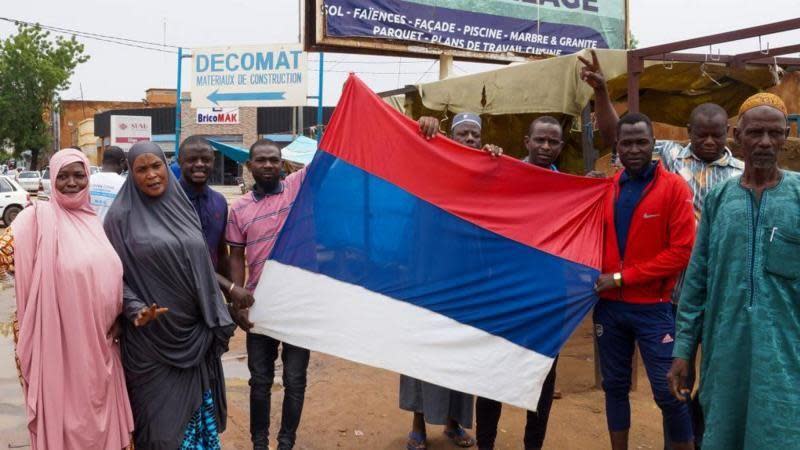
pixel 301 150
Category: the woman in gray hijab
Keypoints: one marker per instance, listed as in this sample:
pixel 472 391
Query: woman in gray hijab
pixel 178 325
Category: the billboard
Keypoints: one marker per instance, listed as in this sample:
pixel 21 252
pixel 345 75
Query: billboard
pixel 128 130
pixel 254 75
pixel 478 29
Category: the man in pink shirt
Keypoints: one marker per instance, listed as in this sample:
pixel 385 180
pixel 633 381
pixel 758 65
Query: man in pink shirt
pixel 255 221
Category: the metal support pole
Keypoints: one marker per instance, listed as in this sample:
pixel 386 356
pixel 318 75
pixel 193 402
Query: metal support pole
pixel 635 67
pixel 320 89
pixel 178 104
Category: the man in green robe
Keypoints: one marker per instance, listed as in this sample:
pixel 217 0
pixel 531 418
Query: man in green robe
pixel 741 296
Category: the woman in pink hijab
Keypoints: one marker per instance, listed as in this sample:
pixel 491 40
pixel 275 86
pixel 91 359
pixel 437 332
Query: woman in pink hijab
pixel 69 295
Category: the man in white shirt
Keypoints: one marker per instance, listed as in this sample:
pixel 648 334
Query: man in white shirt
pixel 104 185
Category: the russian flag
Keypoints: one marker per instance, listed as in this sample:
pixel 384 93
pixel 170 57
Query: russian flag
pixel 431 259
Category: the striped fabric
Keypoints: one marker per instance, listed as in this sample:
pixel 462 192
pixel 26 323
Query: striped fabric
pixel 254 223
pixel 201 432
pixel 700 175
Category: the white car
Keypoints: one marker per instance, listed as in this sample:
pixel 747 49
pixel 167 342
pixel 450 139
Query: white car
pixel 13 198
pixel 30 180
pixel 46 182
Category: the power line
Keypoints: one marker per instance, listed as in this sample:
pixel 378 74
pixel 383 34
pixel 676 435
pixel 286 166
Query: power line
pixel 87 33
pixel 426 72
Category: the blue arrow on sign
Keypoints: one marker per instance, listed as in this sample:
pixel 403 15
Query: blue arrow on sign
pixel 216 97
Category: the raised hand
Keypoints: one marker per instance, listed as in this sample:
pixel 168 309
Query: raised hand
pixel 494 150
pixel 149 313
pixel 428 126
pixel 592 73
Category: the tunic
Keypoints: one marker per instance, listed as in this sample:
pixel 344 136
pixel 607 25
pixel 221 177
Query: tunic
pixel 741 298
pixel 437 403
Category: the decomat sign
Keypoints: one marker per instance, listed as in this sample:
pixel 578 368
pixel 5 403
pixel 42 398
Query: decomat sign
pixel 491 28
pixel 264 75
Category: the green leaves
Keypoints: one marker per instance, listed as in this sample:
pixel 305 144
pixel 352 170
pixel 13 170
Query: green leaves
pixel 34 68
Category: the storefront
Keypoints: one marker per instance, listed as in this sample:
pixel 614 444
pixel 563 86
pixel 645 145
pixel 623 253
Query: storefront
pixel 239 127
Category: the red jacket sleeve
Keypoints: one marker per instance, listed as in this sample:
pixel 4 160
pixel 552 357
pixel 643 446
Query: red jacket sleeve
pixel 674 258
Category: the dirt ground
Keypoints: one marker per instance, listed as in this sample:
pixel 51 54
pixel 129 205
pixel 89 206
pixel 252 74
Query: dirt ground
pixel 351 406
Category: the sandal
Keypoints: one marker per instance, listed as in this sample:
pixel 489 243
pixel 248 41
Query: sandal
pixel 460 437
pixel 417 441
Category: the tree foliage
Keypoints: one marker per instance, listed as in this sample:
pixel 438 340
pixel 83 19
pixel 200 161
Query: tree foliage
pixel 34 68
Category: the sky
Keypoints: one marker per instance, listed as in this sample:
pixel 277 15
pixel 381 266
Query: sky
pixel 124 73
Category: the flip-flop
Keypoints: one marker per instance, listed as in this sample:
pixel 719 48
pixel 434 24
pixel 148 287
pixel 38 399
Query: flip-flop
pixel 417 441
pixel 458 436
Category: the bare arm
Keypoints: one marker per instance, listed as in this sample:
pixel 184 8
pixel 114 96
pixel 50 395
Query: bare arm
pixel 242 299
pixel 236 265
pixel 607 118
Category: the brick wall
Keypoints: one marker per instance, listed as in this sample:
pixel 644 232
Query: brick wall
pixel 164 96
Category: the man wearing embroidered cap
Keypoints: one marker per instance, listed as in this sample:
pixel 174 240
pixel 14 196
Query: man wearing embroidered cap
pixel 741 296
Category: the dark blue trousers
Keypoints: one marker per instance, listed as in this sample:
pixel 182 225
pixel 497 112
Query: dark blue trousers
pixel 618 327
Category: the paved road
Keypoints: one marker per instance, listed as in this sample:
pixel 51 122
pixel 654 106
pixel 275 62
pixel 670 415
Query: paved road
pixel 13 433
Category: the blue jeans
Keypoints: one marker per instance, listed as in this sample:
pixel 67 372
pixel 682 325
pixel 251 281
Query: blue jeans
pixel 618 326
pixel 262 351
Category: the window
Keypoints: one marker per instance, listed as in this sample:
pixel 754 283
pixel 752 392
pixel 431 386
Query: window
pixel 5 186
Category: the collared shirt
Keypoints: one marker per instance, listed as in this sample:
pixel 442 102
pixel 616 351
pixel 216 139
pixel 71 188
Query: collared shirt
pixel 630 192
pixel 212 209
pixel 257 218
pixel 700 175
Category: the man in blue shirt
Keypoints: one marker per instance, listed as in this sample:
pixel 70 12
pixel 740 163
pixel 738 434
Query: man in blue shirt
pixel 196 159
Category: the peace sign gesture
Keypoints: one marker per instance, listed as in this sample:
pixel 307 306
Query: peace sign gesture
pixel 149 313
pixel 591 72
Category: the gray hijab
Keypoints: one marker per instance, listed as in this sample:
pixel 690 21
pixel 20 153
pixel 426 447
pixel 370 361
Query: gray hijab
pixel 171 362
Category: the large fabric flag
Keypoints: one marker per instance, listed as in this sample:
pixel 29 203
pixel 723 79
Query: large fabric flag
pixel 431 259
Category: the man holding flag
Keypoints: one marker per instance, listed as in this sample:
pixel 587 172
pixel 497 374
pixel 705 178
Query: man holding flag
pixel 404 254
pixel 255 221
pixel 649 235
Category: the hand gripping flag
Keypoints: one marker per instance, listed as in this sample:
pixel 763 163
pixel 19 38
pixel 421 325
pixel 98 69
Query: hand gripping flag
pixel 431 259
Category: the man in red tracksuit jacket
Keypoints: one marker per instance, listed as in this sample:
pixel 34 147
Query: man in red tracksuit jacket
pixel 650 230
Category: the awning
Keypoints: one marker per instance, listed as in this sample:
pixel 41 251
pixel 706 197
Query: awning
pixel 669 91
pixel 301 150
pixel 237 154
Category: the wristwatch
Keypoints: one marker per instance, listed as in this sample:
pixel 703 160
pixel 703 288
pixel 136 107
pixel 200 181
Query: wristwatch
pixel 617 279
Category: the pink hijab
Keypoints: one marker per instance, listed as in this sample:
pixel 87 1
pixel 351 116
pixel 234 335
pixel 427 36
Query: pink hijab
pixel 69 293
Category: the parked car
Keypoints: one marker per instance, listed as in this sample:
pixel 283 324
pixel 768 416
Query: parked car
pixel 13 198
pixel 30 180
pixel 46 182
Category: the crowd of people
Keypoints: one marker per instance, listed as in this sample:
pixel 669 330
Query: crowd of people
pixel 128 290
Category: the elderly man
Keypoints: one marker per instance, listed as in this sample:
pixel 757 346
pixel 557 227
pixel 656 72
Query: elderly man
pixel 740 296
